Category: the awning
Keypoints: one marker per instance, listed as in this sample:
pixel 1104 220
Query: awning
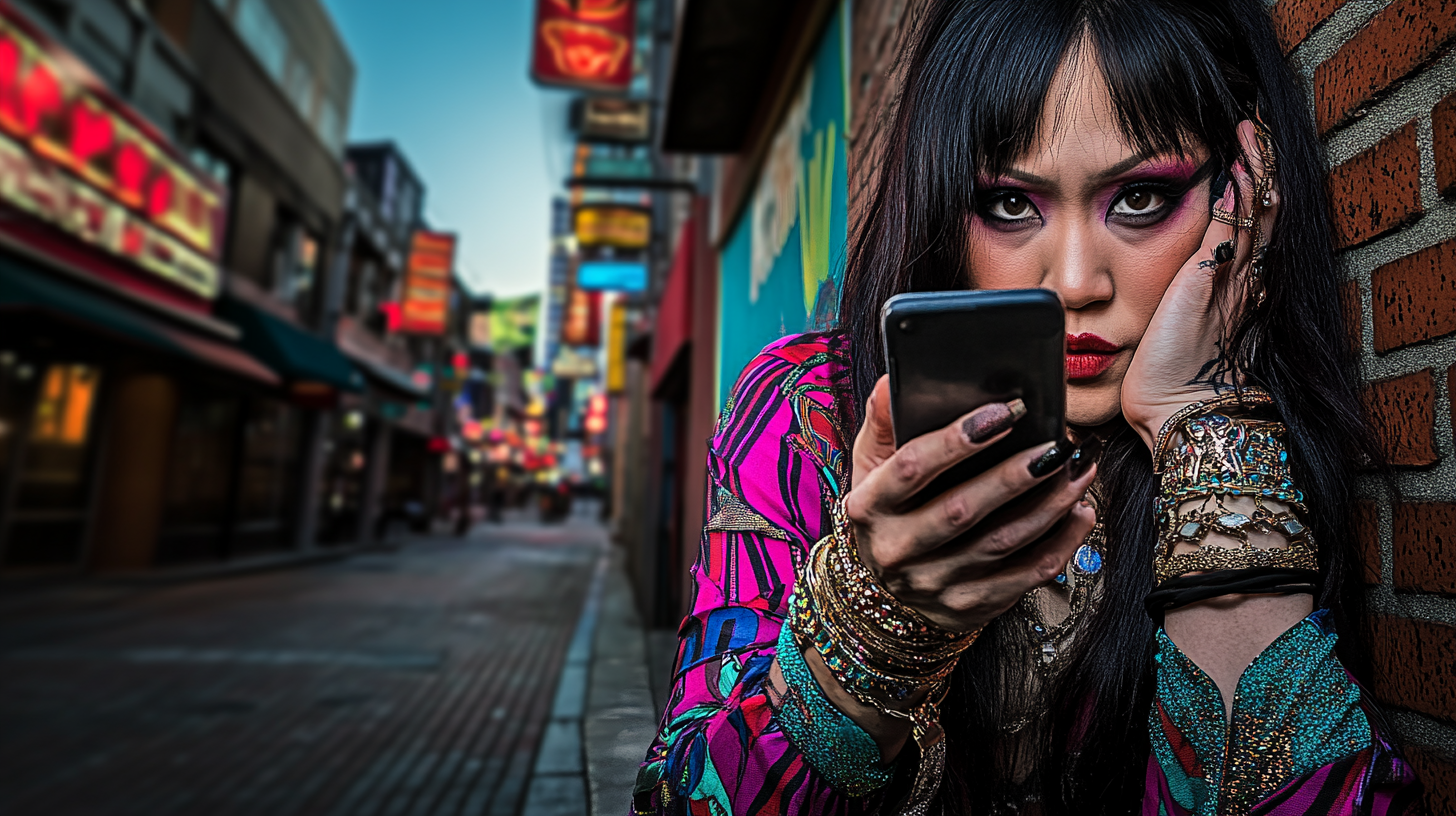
pixel 728 53
pixel 303 359
pixel 390 377
pixel 22 289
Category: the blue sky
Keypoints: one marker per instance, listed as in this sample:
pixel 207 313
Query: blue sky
pixel 446 80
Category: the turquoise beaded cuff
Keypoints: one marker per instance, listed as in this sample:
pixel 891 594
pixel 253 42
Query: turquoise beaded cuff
pixel 842 752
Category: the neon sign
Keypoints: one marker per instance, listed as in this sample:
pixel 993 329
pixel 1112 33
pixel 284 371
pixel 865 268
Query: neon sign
pixel 426 305
pixel 584 43
pixel 73 156
pixel 614 226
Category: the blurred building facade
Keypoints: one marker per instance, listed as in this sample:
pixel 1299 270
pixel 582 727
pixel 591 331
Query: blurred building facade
pixel 754 133
pixel 194 361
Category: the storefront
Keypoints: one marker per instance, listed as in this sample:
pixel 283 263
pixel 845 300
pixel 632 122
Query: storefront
pixel 141 423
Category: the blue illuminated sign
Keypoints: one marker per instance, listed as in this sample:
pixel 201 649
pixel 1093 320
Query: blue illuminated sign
pixel 622 276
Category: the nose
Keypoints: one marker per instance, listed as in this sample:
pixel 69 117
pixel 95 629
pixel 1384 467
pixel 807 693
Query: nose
pixel 1075 268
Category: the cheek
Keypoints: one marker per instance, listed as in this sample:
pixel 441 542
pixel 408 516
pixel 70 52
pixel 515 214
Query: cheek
pixel 1144 269
pixel 1002 260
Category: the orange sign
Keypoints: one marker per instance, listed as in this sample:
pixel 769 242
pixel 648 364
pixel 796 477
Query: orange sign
pixel 426 303
pixel 614 226
pixel 75 157
pixel 582 325
pixel 584 43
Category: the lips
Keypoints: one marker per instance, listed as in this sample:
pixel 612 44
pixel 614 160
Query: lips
pixel 1088 356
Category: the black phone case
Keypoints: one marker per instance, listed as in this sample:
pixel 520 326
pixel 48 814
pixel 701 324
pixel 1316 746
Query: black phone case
pixel 948 353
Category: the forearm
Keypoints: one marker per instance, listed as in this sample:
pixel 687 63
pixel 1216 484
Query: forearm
pixel 1229 509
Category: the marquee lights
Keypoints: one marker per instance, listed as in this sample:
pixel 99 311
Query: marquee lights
pixel 75 157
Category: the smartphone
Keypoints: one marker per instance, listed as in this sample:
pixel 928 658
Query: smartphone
pixel 949 353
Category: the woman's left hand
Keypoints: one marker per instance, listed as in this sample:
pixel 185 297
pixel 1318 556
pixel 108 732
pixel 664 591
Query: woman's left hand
pixel 1181 357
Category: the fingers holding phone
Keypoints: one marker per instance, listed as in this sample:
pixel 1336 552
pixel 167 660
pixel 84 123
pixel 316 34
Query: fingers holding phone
pixel 966 556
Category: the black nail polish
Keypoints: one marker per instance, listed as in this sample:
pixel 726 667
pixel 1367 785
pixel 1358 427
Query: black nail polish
pixel 1084 457
pixel 1051 460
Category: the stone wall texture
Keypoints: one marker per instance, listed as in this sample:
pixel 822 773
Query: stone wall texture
pixel 1381 76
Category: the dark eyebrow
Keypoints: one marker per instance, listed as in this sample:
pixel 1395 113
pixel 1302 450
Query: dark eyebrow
pixel 1028 178
pixel 1115 170
pixel 1124 166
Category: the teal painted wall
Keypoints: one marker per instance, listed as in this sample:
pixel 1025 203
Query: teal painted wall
pixel 774 282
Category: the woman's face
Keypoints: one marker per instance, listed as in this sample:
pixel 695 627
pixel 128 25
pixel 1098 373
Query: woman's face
pixel 1085 215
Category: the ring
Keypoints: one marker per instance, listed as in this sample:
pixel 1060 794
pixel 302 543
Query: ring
pixel 1232 219
pixel 1224 252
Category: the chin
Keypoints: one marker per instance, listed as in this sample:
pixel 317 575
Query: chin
pixel 1095 402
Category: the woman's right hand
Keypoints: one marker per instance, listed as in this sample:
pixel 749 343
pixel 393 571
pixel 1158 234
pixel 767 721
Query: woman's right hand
pixel 924 556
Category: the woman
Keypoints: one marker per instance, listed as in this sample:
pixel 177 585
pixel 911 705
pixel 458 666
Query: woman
pixel 1140 633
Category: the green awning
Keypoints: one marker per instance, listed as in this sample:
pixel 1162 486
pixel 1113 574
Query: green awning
pixel 22 288
pixel 297 355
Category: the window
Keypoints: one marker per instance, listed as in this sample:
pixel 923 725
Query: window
pixel 263 34
pixel 298 84
pixel 330 126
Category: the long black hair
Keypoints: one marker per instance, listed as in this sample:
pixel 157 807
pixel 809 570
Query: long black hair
pixel 1181 75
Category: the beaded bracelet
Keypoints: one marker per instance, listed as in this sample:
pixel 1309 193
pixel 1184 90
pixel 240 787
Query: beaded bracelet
pixel 877 648
pixel 841 751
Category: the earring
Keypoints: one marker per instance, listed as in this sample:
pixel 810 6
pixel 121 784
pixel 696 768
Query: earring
pixel 1264 188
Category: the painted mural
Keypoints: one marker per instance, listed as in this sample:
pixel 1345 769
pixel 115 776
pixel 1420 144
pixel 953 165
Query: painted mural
pixel 784 259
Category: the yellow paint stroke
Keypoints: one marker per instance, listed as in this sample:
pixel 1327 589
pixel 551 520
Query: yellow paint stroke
pixel 816 190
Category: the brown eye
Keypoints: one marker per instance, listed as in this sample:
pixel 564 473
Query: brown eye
pixel 1012 207
pixel 1138 202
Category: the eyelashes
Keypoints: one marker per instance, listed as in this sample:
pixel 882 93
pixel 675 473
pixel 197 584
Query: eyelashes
pixel 1136 205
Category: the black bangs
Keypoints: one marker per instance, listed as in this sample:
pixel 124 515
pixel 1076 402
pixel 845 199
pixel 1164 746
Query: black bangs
pixel 1170 92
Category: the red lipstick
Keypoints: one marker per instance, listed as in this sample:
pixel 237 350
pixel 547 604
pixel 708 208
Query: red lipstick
pixel 1088 356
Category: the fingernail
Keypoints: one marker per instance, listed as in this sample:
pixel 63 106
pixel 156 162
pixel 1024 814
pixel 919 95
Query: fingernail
pixel 1053 458
pixel 1084 457
pixel 989 420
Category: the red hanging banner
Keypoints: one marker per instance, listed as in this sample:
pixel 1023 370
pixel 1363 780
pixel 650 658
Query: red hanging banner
pixel 426 303
pixel 584 43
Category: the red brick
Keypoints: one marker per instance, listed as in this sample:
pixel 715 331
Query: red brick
pixel 1378 190
pixel 1423 542
pixel 1398 40
pixel 1367 539
pixel 1350 302
pixel 1402 411
pixel 1438 773
pixel 1295 19
pixel 1415 665
pixel 1443 125
pixel 1413 298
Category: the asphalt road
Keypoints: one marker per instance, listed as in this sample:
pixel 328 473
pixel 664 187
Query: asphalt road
pixel 417 682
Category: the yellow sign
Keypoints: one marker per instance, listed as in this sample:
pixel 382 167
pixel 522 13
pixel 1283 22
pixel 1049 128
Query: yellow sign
pixel 617 348
pixel 613 226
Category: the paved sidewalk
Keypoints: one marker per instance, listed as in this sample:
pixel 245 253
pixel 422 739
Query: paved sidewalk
pixel 603 716
pixel 417 682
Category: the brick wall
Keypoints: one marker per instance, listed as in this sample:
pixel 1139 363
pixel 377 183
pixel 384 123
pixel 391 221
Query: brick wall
pixel 1382 79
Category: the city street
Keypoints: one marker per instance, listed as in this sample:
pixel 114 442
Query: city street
pixel 420 680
